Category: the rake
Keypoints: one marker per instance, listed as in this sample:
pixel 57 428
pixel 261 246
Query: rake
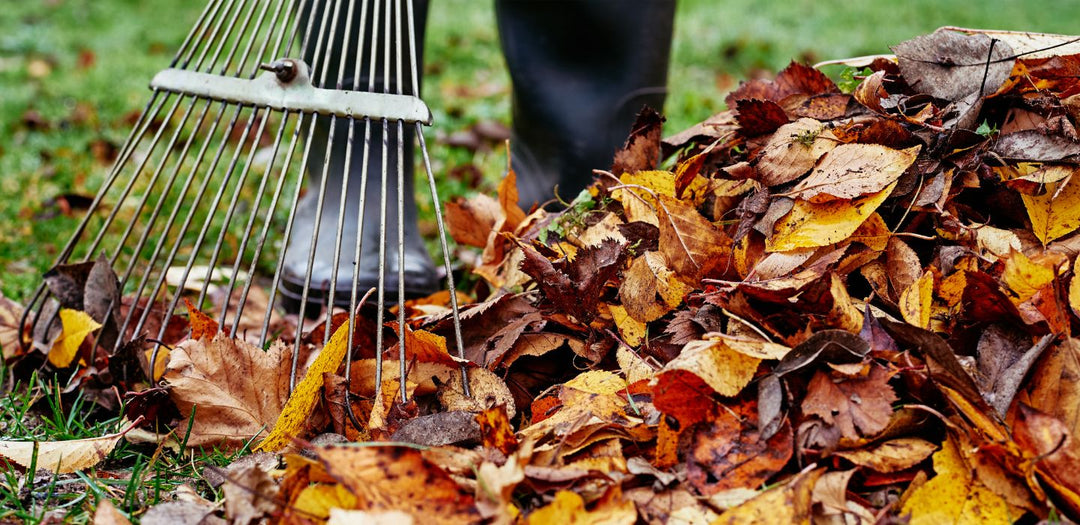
pixel 176 190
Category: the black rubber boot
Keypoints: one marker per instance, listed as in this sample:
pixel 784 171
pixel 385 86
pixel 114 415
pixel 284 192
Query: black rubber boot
pixel 421 276
pixel 581 70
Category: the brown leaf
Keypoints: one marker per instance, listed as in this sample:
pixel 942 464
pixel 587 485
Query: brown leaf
pixel 693 247
pixel 793 150
pixel 729 452
pixel 852 170
pixel 641 151
pixel 950 65
pixel 398 478
pixel 1055 384
pixel 239 388
pixel 1004 358
pixel 859 406
pixel 759 117
pixel 250 492
pixel 649 289
pixel 575 287
pixel 794 79
pixel 11 332
pixel 890 456
pixel 106 514
pixel 1037 146
pixel 471 221
pixel 1048 439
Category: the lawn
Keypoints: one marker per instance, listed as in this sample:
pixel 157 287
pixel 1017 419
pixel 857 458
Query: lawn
pixel 73 74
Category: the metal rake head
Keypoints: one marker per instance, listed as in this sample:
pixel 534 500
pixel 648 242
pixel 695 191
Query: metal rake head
pixel 212 175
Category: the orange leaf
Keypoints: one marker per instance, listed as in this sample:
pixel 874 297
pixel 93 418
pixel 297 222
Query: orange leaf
pixel 202 325
pixel 495 430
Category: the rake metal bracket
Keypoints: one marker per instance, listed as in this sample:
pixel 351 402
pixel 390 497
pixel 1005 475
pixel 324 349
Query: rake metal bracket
pixel 295 94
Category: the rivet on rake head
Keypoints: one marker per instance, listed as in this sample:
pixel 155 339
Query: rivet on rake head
pixel 284 69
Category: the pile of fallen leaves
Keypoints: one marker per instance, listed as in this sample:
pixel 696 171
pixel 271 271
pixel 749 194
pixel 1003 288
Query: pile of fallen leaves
pixel 845 307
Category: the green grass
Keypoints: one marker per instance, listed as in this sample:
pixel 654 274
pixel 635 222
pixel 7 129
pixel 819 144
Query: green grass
pixel 82 104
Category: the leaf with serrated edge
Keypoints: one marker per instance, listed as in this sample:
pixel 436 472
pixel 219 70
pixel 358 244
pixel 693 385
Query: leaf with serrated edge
pixel 809 224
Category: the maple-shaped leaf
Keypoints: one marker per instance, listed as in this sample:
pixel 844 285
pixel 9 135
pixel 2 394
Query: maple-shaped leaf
pixel 729 451
pixel 239 388
pixel 575 287
pixel 858 406
pixel 399 478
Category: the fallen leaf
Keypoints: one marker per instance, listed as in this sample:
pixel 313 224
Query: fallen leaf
pixel 790 502
pixel 693 247
pixel 568 507
pixel 858 406
pixel 61 457
pixel 76 326
pixel 729 451
pixel 808 225
pixel 1055 213
pixel 106 514
pixel 852 170
pixel 954 495
pixel 649 289
pixel 11 331
pixel 951 65
pixel 1057 451
pixel 495 430
pixel 385 478
pixel 237 389
pixel 793 150
pixel 202 325
pixel 917 300
pixel 250 493
pixel 390 517
pixel 724 370
pixel 892 455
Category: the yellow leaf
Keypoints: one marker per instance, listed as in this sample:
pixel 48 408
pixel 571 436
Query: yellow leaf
pixel 306 395
pixel 61 457
pixel 597 382
pixel 722 368
pixel 162 360
pixel 852 170
pixel 809 224
pixel 631 330
pixel 995 242
pixel 647 278
pixel 1055 213
pixel 753 347
pixel 955 496
pixel 1025 277
pixel 916 301
pixel 77 325
pixel 1074 288
pixel 632 365
pixel 639 204
pixel 783 504
pixel 568 507
pixel 317 499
